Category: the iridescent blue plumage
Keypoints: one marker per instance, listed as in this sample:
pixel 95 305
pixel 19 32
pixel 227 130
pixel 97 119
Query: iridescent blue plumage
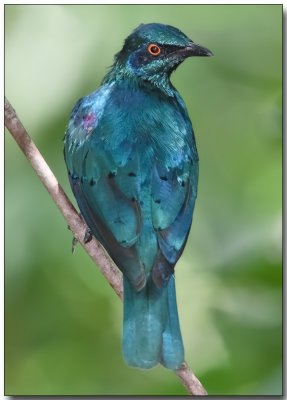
pixel 133 167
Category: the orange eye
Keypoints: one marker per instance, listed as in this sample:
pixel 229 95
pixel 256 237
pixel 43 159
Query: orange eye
pixel 154 49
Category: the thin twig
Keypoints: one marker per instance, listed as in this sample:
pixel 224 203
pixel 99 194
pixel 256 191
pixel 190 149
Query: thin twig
pixel 190 381
pixel 78 226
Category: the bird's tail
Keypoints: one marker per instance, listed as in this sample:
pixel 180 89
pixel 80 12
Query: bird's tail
pixel 151 332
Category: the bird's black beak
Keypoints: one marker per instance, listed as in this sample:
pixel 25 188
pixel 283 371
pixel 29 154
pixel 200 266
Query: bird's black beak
pixel 195 50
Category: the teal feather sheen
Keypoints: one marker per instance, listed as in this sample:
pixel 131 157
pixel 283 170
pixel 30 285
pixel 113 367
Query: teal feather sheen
pixel 133 167
pixel 146 312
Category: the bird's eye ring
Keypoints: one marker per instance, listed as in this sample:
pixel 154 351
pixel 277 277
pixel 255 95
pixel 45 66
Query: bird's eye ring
pixel 154 49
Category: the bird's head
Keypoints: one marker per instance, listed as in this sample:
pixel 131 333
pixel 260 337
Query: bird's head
pixel 153 51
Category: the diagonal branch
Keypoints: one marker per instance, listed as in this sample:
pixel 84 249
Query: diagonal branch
pixel 77 225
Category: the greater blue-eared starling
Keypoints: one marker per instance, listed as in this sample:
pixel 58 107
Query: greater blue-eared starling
pixel 133 167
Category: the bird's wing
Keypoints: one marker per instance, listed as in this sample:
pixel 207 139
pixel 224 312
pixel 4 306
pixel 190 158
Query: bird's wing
pixel 174 192
pixel 106 200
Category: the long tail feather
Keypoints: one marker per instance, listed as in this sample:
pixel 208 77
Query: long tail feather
pixel 151 328
pixel 173 351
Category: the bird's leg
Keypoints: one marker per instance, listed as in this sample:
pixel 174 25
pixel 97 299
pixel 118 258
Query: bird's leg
pixel 88 236
pixel 74 241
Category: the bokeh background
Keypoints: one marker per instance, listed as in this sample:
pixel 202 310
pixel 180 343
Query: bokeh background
pixel 62 320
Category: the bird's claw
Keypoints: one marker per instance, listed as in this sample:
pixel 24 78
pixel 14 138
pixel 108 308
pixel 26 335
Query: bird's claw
pixel 74 243
pixel 88 236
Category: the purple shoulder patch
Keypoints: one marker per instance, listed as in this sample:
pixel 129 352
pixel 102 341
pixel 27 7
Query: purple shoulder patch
pixel 89 121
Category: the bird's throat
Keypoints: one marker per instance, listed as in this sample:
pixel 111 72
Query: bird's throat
pixel 127 77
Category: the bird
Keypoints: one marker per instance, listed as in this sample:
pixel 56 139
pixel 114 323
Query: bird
pixel 132 163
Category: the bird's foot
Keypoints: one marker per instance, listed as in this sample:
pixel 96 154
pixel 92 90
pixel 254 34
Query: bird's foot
pixel 74 243
pixel 88 236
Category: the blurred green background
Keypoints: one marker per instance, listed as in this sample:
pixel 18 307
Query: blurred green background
pixel 62 320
